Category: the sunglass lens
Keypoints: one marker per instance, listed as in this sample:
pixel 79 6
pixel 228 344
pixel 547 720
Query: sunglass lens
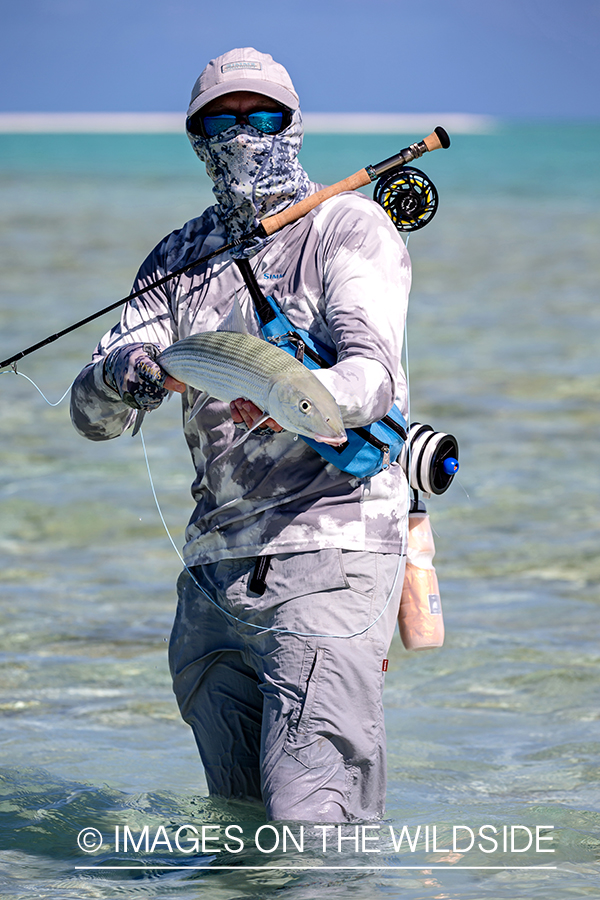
pixel 214 125
pixel 267 122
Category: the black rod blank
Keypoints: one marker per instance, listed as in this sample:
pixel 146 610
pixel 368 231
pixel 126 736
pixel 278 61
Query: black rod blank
pixel 132 296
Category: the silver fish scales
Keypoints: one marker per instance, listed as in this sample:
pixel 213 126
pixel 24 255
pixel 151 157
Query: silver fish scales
pixel 228 365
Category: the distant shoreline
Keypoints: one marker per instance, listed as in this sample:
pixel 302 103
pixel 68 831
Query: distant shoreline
pixel 169 123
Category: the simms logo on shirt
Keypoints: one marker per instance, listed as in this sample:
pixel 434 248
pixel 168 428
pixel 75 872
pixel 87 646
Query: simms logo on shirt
pixel 251 64
pixel 271 277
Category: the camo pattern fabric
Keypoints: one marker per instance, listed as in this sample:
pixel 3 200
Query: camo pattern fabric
pixel 254 175
pixel 135 375
pixel 343 274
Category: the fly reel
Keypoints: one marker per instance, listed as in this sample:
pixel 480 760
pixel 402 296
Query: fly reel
pixel 408 196
pixel 432 458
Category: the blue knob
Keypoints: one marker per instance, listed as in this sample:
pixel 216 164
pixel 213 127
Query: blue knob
pixel 450 465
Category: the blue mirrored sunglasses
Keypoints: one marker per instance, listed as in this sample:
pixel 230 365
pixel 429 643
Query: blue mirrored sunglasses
pixel 267 122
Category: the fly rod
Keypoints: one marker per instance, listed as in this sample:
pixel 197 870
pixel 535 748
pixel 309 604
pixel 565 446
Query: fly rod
pixel 438 139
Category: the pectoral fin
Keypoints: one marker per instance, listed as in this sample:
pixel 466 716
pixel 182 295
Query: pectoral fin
pixel 139 418
pixel 246 434
pixel 201 401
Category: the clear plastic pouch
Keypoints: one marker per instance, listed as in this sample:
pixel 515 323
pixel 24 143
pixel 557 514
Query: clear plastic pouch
pixel 420 619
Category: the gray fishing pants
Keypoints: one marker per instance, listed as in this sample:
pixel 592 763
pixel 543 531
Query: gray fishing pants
pixel 293 719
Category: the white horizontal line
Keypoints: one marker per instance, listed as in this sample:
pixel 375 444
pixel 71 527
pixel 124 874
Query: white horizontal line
pixel 91 123
pixel 317 867
pixel 395 123
pixel 314 123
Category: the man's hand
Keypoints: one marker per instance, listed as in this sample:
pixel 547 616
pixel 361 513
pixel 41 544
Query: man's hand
pixel 172 384
pixel 245 411
pixel 133 373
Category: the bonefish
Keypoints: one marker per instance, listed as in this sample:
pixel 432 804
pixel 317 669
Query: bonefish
pixel 227 365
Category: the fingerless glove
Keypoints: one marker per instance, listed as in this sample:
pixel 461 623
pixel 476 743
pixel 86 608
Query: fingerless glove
pixel 132 371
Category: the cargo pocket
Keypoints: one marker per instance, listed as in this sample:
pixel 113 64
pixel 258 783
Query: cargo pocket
pixel 304 741
pixel 293 575
pixel 360 568
pixel 361 571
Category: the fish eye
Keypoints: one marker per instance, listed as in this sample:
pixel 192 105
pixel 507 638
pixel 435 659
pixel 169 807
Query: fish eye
pixel 305 406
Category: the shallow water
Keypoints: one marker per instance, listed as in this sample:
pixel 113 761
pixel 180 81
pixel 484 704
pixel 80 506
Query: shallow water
pixel 500 727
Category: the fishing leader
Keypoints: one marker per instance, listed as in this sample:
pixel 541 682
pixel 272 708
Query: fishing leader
pixel 294 568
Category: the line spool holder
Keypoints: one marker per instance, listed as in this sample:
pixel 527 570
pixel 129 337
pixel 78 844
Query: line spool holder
pixel 429 458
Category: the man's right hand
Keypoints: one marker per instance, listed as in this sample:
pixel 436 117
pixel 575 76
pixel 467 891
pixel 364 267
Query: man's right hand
pixel 133 373
pixel 247 412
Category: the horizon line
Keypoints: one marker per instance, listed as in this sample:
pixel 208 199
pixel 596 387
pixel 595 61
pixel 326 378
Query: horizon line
pixel 169 122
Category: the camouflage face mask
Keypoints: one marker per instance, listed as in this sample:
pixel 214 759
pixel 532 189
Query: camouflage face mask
pixel 254 175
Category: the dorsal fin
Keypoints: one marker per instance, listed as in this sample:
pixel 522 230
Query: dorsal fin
pixel 234 320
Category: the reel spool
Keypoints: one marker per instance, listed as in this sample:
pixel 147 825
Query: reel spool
pixel 408 196
pixel 433 458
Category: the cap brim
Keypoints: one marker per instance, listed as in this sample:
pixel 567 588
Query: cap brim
pixel 256 85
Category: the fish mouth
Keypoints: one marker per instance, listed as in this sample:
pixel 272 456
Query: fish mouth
pixel 336 440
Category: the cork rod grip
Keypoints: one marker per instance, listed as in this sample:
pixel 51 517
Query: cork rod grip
pixel 271 224
pixel 437 140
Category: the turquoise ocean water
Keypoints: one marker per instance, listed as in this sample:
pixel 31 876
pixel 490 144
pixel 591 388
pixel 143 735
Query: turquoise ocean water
pixel 501 727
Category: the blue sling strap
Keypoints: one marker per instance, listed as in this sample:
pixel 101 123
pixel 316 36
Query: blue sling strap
pixel 370 448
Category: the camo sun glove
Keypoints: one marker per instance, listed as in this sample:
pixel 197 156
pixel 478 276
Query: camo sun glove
pixel 132 371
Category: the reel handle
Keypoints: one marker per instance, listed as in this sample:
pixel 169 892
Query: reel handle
pixel 437 140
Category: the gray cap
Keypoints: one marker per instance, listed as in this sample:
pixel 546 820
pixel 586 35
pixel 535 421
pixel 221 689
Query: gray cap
pixel 244 69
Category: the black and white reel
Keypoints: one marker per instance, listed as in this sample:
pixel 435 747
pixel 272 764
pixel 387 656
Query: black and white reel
pixel 408 196
pixel 429 458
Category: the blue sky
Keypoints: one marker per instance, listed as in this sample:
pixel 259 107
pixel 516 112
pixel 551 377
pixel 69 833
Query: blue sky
pixel 533 58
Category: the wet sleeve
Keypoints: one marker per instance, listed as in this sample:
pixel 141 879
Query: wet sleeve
pixel 366 276
pixel 97 412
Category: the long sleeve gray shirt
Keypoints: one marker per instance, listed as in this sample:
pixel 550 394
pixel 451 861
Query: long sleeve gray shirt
pixel 343 274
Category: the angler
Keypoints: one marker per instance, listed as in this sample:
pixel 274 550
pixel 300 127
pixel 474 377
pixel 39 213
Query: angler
pixel 288 711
